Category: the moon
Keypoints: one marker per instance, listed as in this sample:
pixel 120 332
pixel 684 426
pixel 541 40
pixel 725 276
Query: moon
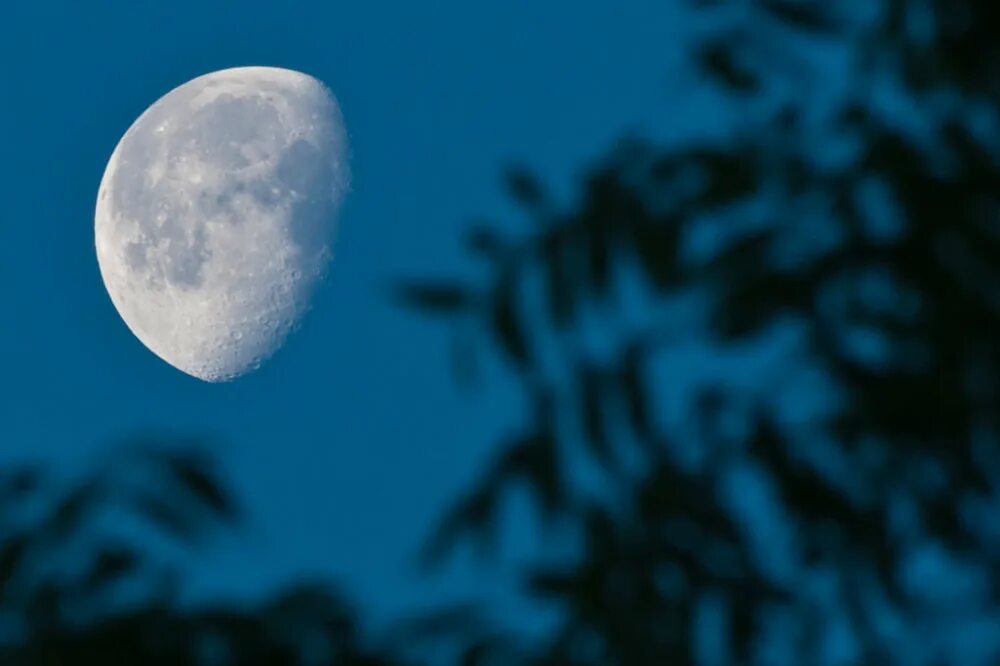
pixel 215 216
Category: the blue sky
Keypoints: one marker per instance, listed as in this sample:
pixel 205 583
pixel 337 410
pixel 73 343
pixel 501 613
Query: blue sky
pixel 347 444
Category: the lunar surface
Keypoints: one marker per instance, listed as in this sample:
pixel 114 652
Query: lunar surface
pixel 215 216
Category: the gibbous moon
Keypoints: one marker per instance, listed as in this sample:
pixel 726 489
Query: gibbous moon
pixel 215 216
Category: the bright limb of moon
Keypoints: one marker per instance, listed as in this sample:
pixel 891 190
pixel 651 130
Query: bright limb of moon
pixel 215 216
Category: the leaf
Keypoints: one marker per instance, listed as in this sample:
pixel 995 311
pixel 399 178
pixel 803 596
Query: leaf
pixel 611 209
pixel 508 325
pixel 15 484
pixel 748 255
pixel 655 245
pixel 634 391
pixel 593 393
pixel 192 475
pixel 73 509
pixel 811 16
pixel 530 458
pixel 533 459
pixel 461 619
pixel 553 583
pixel 523 186
pixel 110 564
pixel 753 305
pixel 485 241
pixel 304 604
pixel 441 298
pixel 730 176
pixel 167 516
pixel 42 608
pixel 474 515
pixel 599 255
pixel 12 552
pixel 718 61
pixel 558 255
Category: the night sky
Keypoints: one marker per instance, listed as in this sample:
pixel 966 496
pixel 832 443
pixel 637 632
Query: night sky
pixel 348 443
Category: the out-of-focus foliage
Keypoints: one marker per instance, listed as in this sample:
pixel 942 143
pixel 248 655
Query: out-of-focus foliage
pixel 854 213
pixel 83 579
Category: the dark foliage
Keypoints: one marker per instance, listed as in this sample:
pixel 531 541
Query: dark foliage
pixel 81 584
pixel 864 226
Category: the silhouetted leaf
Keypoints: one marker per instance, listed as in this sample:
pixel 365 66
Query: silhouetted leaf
pixel 16 484
pixel 656 247
pixel 12 552
pixel 485 241
pixel 195 478
pixel 474 514
pixel 437 298
pixel 533 458
pixel 636 392
pixel 525 188
pixel 461 619
pixel 508 325
pixel 803 15
pixel 559 258
pixel 729 177
pixel 593 398
pixel 109 565
pixel 719 61
pixel 73 509
pixel 165 515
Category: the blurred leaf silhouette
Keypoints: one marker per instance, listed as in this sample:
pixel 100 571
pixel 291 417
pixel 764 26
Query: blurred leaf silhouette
pixel 861 226
pixel 75 591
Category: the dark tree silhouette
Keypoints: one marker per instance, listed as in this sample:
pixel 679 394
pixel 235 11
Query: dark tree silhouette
pixel 82 580
pixel 852 215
